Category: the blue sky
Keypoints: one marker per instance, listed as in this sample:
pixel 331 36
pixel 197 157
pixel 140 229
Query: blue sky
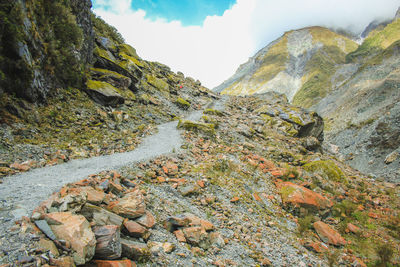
pixel 209 39
pixel 189 12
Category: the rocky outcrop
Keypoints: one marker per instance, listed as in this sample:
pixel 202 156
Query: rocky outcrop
pixel 40 53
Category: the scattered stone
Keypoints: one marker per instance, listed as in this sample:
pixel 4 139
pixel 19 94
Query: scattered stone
pixel 352 228
pixel 196 236
pixel 133 249
pixel 93 196
pixel 45 228
pixel 134 229
pixel 189 190
pixel 62 262
pixel 391 157
pixel 316 246
pixel 108 242
pixel 20 167
pixel 180 236
pixel 328 235
pixel 130 206
pixel 100 216
pixel 48 245
pixel 147 220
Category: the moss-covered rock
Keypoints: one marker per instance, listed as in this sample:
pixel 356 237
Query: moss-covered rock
pixel 128 50
pixel 206 128
pixel 215 112
pixel 327 169
pixel 157 83
pixel 111 77
pixel 104 93
pixel 182 103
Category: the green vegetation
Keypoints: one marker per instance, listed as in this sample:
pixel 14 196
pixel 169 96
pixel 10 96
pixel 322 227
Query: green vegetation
pixel 106 30
pixel 182 103
pixel 327 169
pixel 205 128
pixel 213 112
pixel 377 41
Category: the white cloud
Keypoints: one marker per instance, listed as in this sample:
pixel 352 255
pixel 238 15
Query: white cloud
pixel 212 52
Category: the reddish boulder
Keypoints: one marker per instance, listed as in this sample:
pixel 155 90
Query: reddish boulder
pixel 300 196
pixel 147 220
pixel 76 230
pixel 328 235
pixel 134 229
pixel 131 206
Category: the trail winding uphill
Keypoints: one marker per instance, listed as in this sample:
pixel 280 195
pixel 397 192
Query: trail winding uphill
pixel 20 194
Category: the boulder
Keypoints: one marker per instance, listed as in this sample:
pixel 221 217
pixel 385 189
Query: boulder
pixel 131 206
pixel 108 242
pixel 134 250
pixel 134 229
pixel 328 234
pixel 147 220
pixel 104 93
pixel 76 230
pixel 101 216
pixel 196 236
pixel 299 196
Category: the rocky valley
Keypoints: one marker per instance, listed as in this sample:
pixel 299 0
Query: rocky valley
pixel 107 159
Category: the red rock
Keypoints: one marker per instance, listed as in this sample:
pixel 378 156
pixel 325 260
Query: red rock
pixel 234 199
pixel 316 246
pixel 115 174
pixel 134 229
pixel 93 196
pixel 180 236
pixel 300 196
pixel 257 197
pixel 195 235
pixel 108 244
pixel 76 230
pixel 160 179
pixel 62 262
pixel 328 235
pixel 200 183
pixel 121 263
pixel 373 215
pixel 131 206
pixel 276 173
pixel 20 167
pixel 170 168
pixel 352 228
pixel 147 220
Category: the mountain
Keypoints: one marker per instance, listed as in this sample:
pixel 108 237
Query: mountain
pixel 135 165
pixel 298 64
pixel 354 87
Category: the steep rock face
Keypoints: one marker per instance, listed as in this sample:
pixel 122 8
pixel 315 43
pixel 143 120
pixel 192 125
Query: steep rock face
pixel 297 64
pixel 44 45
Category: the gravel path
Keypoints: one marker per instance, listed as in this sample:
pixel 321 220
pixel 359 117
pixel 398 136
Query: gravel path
pixel 20 194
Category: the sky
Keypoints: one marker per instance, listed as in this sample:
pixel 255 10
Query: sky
pixel 209 39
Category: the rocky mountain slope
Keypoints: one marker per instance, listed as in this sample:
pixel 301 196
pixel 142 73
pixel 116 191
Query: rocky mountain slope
pixel 355 89
pixel 250 184
pixel 299 65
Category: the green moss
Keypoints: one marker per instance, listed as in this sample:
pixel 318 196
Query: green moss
pixel 157 83
pixel 107 73
pixel 327 169
pixel 102 86
pixel 182 103
pixel 102 53
pixel 128 50
pixel 213 112
pixel 206 128
pixel 133 60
